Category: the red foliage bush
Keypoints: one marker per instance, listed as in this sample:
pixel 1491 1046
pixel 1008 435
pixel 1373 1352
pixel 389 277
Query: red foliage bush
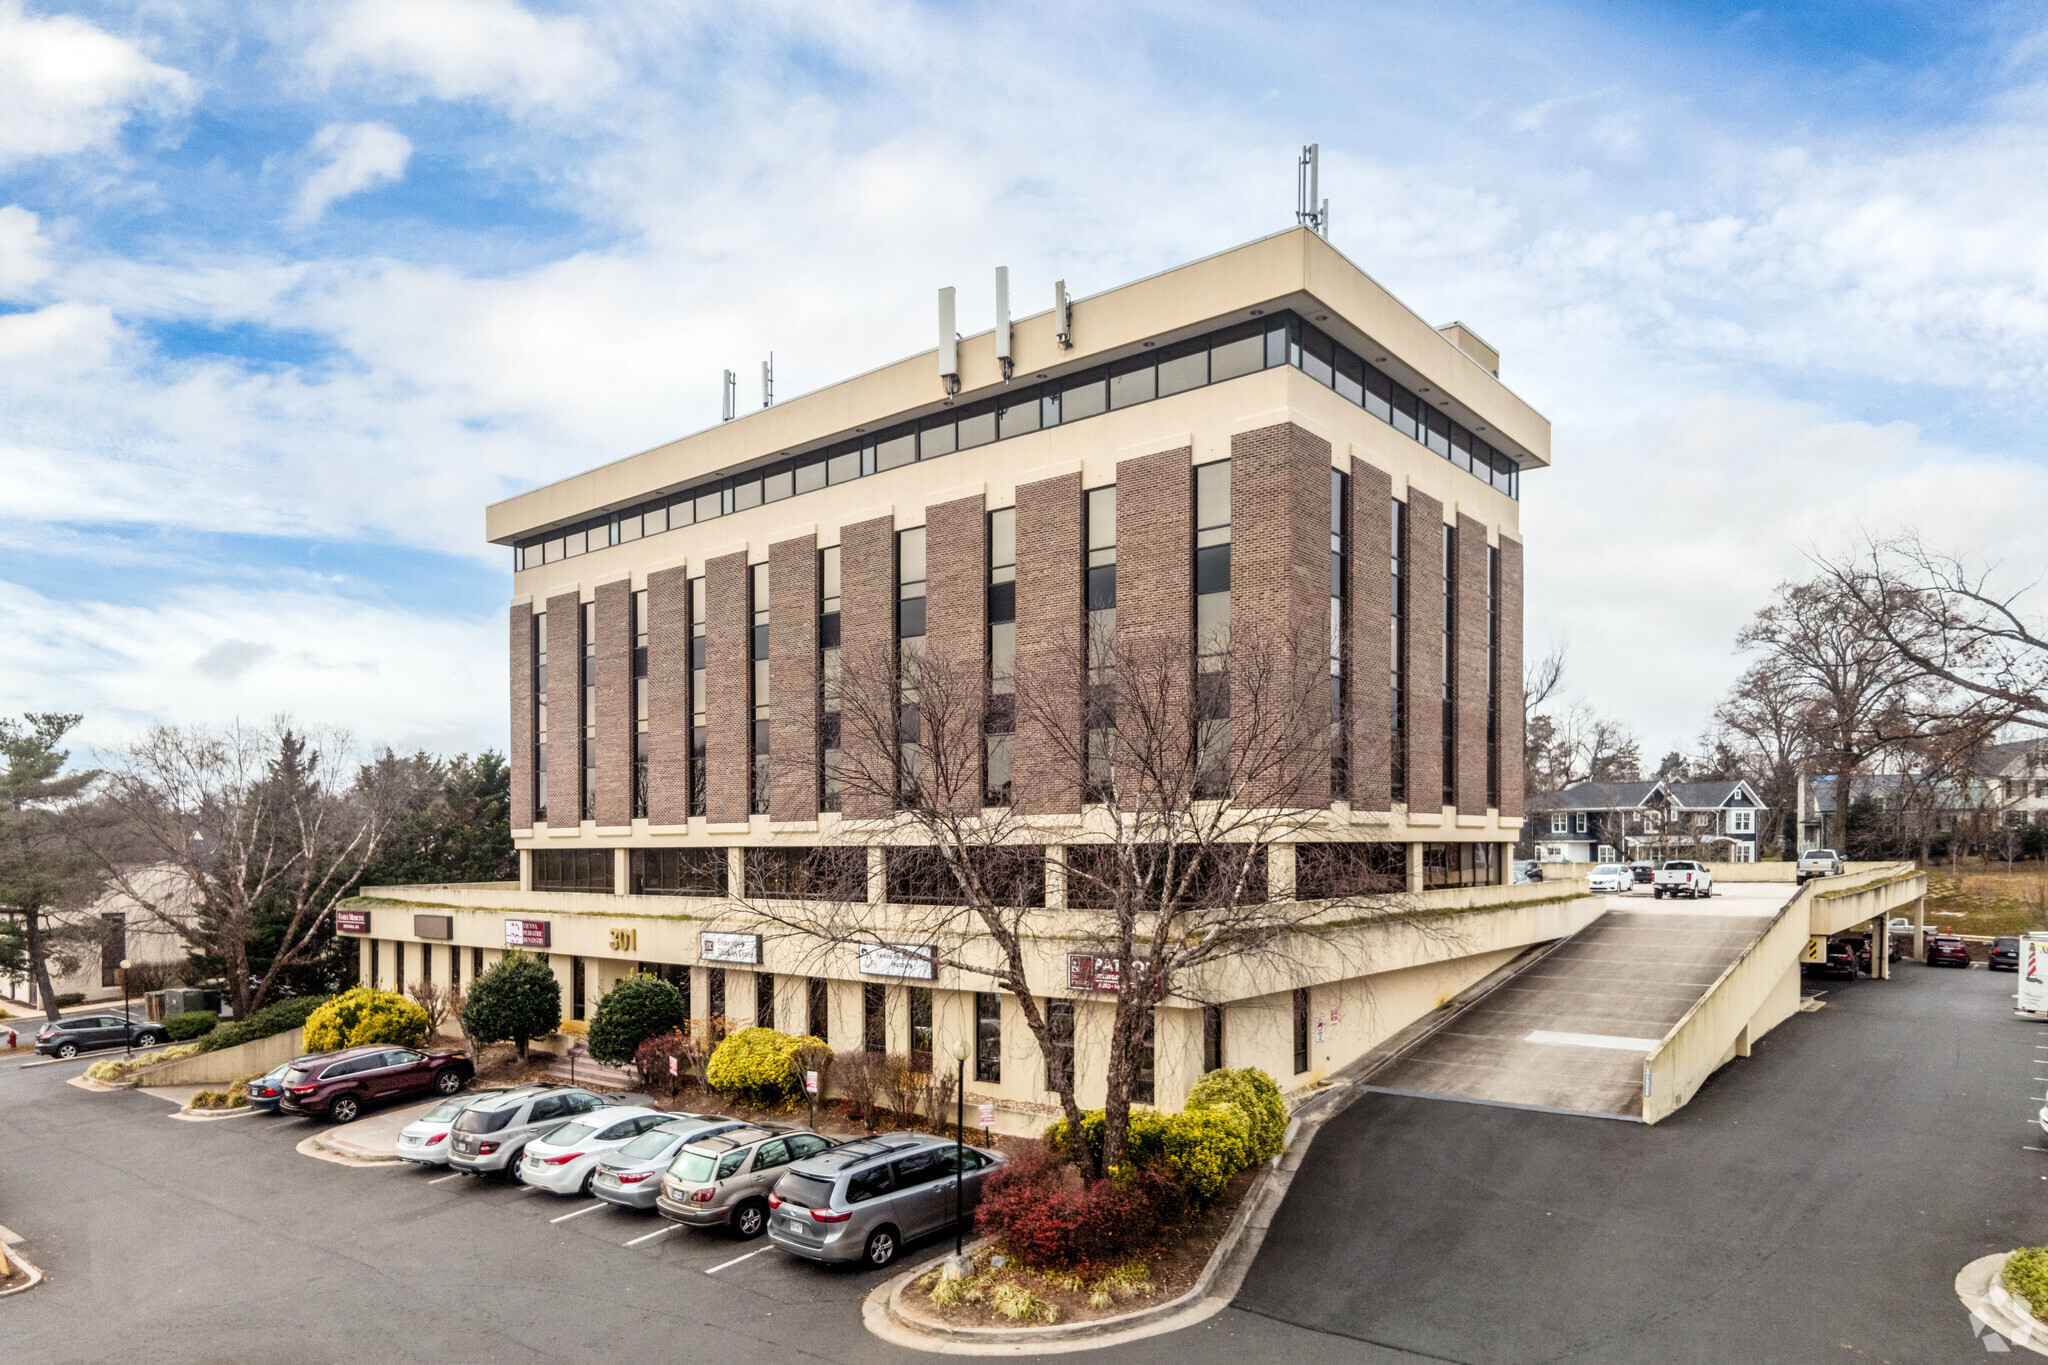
pixel 1046 1215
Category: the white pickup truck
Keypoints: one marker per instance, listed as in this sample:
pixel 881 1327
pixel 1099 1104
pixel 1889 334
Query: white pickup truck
pixel 1819 862
pixel 1681 878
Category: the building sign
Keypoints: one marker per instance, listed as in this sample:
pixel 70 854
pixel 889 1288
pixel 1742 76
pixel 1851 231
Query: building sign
pixel 351 921
pixel 906 960
pixel 743 949
pixel 1097 972
pixel 625 940
pixel 528 933
pixel 441 928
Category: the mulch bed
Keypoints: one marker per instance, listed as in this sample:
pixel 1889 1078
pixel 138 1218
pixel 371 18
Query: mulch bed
pixel 1171 1269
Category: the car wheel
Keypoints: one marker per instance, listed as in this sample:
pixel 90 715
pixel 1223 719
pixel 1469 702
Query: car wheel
pixel 589 1179
pixel 67 1050
pixel 750 1220
pixel 149 1040
pixel 881 1247
pixel 448 1082
pixel 345 1109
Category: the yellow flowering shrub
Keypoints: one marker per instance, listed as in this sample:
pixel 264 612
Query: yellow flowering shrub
pixel 365 1015
pixel 755 1064
pixel 1253 1093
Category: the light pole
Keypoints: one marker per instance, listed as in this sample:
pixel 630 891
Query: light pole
pixel 127 1024
pixel 959 1267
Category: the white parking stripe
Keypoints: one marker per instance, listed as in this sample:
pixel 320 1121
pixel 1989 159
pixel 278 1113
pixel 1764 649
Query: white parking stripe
pixel 587 1208
pixel 737 1259
pixel 658 1232
pixel 442 1180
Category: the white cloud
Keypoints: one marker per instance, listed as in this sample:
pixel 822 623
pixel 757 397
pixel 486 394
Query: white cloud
pixel 493 50
pixel 24 251
pixel 354 157
pixel 66 85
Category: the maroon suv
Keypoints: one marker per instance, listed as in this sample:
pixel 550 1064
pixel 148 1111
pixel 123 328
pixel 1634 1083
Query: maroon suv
pixel 1945 950
pixel 340 1085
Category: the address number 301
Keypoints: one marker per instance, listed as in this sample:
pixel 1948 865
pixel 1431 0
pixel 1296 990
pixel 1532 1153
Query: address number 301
pixel 625 940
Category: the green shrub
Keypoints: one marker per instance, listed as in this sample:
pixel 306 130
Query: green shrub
pixel 1144 1136
pixel 69 998
pixel 1208 1146
pixel 280 1017
pixel 761 1066
pixel 2026 1278
pixel 638 1008
pixel 1254 1095
pixel 517 1000
pixel 365 1015
pixel 191 1024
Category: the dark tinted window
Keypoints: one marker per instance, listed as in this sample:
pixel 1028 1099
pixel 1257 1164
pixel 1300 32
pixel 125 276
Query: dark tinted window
pixel 549 1107
pixel 869 1185
pixel 920 1168
pixel 484 1120
pixel 808 1191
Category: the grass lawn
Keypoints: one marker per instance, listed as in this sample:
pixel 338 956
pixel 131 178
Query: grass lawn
pixel 1988 899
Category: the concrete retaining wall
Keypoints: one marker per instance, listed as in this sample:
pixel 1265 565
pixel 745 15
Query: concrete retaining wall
pixel 228 1064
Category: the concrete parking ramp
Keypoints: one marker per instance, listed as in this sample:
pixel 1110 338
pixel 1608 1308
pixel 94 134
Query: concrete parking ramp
pixel 1572 1031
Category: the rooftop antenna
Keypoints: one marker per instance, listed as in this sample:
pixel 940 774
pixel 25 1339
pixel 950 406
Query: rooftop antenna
pixel 768 381
pixel 1062 315
pixel 949 343
pixel 732 396
pixel 1311 210
pixel 1003 321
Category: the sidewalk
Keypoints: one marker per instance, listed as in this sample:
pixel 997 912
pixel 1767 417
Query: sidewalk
pixel 373 1137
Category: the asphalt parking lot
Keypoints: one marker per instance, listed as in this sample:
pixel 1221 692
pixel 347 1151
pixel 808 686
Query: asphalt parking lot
pixel 1813 1203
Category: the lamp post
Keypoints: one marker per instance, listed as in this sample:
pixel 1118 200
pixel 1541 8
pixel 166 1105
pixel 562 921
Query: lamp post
pixel 958 1266
pixel 127 1024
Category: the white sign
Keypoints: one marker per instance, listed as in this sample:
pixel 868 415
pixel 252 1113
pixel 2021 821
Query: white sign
pixel 899 959
pixel 744 949
pixel 2033 974
pixel 988 1116
pixel 810 1082
pixel 671 1066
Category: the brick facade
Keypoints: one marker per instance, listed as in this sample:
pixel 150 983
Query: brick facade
pixel 668 696
pixel 867 653
pixel 565 710
pixel 1425 621
pixel 956 644
pixel 1371 592
pixel 728 627
pixel 521 759
pixel 793 679
pixel 1046 769
pixel 615 703
pixel 1470 778
pixel 1512 778
pixel 1155 537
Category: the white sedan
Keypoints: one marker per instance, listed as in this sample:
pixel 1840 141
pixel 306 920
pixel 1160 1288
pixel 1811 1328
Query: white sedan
pixel 563 1160
pixel 1611 877
pixel 424 1141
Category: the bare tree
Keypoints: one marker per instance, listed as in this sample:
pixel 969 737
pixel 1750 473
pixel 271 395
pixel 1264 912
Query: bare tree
pixel 260 831
pixel 1765 722
pixel 440 1002
pixel 1577 744
pixel 1183 776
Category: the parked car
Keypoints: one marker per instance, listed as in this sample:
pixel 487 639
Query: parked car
pixel 340 1085
pixel 864 1200
pixel 724 1180
pixel 563 1160
pixel 631 1176
pixel 1819 862
pixel 1527 870
pixel 424 1141
pixel 1645 871
pixel 1946 950
pixel 88 1032
pixel 267 1090
pixel 490 1135
pixel 1842 959
pixel 2005 955
pixel 1680 877
pixel 1614 877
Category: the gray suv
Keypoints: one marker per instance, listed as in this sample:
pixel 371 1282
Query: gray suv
pixel 863 1201
pixel 489 1135
pixel 723 1180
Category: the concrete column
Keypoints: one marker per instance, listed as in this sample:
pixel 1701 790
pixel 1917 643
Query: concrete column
pixel 1880 949
pixel 1415 867
pixel 622 871
pixel 1920 930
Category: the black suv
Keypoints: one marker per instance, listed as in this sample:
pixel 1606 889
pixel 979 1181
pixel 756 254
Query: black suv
pixel 84 1032
pixel 2005 955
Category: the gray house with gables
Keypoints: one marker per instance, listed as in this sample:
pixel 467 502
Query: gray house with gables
pixel 1605 822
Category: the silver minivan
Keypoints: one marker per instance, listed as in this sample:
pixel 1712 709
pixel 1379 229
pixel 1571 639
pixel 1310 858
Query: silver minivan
pixel 863 1201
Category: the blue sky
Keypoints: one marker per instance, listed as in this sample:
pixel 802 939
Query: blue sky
pixel 289 292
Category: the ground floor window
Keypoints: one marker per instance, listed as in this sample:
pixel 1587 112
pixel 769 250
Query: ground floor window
pixel 921 1028
pixel 454 968
pixel 576 1005
pixel 398 967
pixel 817 1000
pixel 573 869
pixel 874 1017
pixel 1300 1029
pixel 714 989
pixel 988 1037
pixel 1059 1020
pixel 1142 1082
pixel 374 969
pixel 764 1000
pixel 476 963
pixel 675 974
pixel 1212 1038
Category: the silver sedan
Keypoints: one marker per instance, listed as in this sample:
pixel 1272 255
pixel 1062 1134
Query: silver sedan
pixel 631 1176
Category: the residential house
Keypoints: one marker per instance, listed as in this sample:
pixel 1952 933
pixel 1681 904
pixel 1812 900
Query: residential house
pixel 1600 822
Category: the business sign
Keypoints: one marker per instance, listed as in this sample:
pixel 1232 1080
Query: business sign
pixel 810 1082
pixel 528 933
pixel 440 928
pixel 988 1116
pixel 625 940
pixel 905 960
pixel 743 949
pixel 1097 972
pixel 351 921
pixel 2033 995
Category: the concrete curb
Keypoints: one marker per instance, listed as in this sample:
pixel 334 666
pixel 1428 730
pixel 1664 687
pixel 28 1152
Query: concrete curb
pixel 883 1315
pixel 35 1276
pixel 1982 1291
pixel 320 1149
pixel 211 1115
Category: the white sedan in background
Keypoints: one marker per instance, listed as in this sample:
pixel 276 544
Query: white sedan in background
pixel 1615 878
pixel 563 1160
pixel 424 1141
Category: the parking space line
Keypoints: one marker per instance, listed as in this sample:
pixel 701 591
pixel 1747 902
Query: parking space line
pixel 587 1208
pixel 2023 1146
pixel 737 1259
pixel 444 1179
pixel 658 1232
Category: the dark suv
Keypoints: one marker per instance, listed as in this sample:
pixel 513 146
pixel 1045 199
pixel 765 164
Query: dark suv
pixel 2005 955
pixel 340 1085
pixel 84 1032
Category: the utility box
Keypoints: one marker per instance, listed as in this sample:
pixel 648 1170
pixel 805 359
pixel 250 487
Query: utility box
pixel 2033 993
pixel 179 1000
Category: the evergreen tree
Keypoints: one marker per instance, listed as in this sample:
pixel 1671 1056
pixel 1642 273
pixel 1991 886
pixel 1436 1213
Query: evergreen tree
pixel 36 865
pixel 518 999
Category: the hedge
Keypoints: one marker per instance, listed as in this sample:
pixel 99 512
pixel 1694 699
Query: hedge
pixel 1233 1119
pixel 281 1017
pixel 365 1015
pixel 638 1008
pixel 190 1024
pixel 758 1066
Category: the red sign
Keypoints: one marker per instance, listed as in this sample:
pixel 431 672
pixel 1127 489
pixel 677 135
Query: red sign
pixel 1096 972
pixel 527 933
pixel 351 921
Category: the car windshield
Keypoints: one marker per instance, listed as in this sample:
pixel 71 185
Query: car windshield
pixel 648 1145
pixel 568 1134
pixel 446 1109
pixel 694 1166
pixel 1610 868
pixel 484 1120
pixel 2008 943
